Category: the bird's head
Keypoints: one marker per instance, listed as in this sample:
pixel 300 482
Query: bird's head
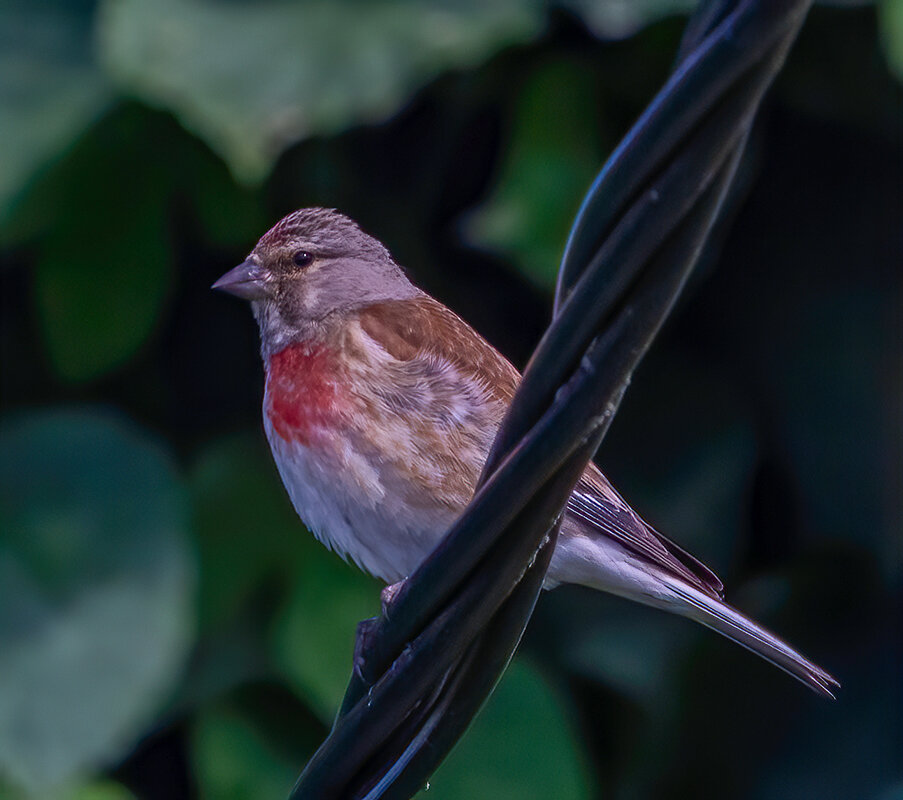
pixel 312 263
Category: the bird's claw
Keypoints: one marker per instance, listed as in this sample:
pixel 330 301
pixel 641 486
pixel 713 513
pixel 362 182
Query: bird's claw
pixel 366 630
pixel 388 595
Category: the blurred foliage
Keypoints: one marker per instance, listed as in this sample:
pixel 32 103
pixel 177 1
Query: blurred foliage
pixel 253 78
pixel 234 759
pixel 52 87
pixel 547 765
pixel 97 576
pixel 891 16
pixel 169 630
pixel 552 156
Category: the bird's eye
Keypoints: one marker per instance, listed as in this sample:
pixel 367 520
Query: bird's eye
pixel 302 258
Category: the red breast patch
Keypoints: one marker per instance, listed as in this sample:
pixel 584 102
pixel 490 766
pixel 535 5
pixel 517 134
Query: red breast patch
pixel 303 392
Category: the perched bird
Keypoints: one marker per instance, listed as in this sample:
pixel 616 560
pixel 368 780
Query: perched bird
pixel 380 408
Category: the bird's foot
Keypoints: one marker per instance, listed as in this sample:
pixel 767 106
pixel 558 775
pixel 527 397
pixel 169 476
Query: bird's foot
pixel 366 631
pixel 388 594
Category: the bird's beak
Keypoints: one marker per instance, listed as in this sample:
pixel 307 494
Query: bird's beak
pixel 243 281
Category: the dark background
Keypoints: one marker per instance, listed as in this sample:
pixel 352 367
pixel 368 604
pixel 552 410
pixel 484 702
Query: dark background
pixel 167 627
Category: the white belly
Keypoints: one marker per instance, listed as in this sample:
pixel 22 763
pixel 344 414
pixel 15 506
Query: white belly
pixel 342 499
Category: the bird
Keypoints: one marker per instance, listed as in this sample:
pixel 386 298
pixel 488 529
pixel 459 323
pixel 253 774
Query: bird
pixel 380 407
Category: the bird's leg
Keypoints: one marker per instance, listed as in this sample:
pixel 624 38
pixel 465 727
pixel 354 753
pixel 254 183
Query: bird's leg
pixel 366 629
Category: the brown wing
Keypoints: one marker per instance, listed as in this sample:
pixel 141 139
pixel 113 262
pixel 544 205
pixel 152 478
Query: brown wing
pixel 409 329
pixel 436 391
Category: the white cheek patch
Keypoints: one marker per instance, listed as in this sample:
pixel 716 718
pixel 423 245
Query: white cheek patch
pixel 310 298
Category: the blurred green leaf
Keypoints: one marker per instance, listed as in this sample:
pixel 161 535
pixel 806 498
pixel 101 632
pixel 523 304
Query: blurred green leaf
pixel 552 156
pixel 246 527
pixel 234 761
pixel 890 18
pixel 249 534
pixel 691 467
pixel 232 215
pixel 50 89
pixel 94 790
pixel 99 291
pixel 314 638
pixel 252 78
pixel 619 18
pixel 102 790
pixel 104 265
pixel 101 221
pixel 520 746
pixel 96 616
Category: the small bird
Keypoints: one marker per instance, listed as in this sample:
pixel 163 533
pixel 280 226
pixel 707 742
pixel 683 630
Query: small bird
pixel 380 408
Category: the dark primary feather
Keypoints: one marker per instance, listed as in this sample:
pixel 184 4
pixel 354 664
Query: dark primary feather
pixel 596 504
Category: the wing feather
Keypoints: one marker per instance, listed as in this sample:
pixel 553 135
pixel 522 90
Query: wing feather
pixel 417 330
pixel 597 505
pixel 422 327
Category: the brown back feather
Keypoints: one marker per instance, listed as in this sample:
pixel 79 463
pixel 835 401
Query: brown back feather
pixel 421 327
pixel 408 329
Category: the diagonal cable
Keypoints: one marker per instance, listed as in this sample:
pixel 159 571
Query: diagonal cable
pixel 423 669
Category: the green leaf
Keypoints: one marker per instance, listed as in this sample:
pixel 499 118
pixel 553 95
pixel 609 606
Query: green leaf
pixel 253 78
pixel 249 536
pixel 50 90
pixel 94 790
pixel 614 19
pixel 520 746
pixel 101 790
pixel 104 264
pixel 314 638
pixel 97 584
pixel 890 21
pixel 99 300
pixel 246 527
pixel 100 221
pixel 552 156
pixel 234 760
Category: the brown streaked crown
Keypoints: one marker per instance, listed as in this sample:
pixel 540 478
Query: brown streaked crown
pixel 325 232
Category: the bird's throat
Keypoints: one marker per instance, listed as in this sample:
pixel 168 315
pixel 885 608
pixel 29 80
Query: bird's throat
pixel 304 401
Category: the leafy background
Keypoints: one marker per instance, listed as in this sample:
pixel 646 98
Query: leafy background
pixel 169 630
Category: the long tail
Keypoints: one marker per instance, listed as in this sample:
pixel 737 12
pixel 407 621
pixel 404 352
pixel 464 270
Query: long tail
pixel 729 622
